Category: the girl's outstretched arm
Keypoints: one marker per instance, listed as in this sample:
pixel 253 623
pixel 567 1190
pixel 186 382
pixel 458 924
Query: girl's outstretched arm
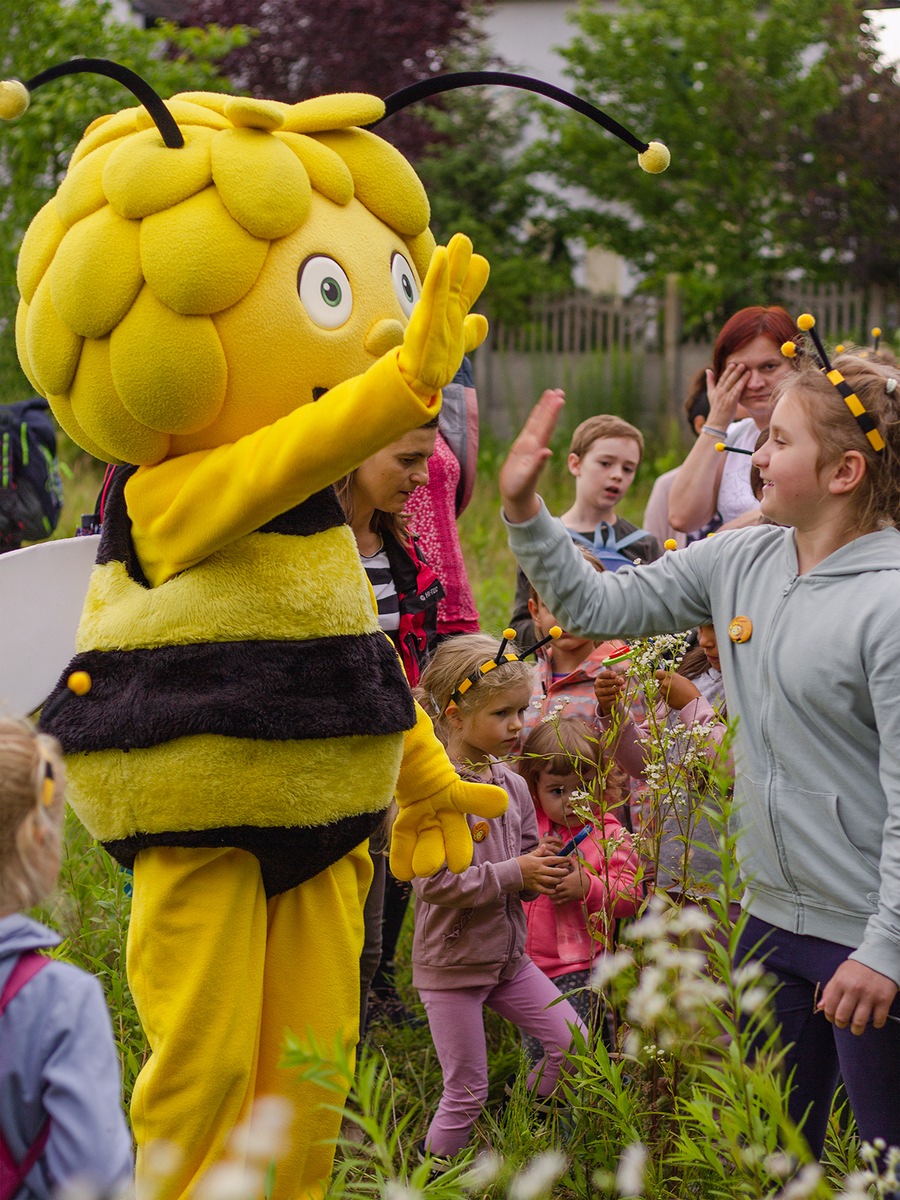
pixel 526 458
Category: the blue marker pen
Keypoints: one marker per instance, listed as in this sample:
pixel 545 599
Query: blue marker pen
pixel 575 842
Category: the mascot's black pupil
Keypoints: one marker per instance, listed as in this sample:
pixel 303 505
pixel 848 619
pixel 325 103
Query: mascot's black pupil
pixel 407 288
pixel 331 292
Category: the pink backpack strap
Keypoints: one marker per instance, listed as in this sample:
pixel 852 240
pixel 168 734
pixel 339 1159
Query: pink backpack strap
pixel 12 1174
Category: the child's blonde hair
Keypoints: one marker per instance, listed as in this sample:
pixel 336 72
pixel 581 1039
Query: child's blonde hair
pixel 876 501
pixel 455 660
pixel 568 746
pixel 31 795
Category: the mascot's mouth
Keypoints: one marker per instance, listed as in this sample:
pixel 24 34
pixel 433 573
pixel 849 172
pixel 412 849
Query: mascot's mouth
pixel 318 393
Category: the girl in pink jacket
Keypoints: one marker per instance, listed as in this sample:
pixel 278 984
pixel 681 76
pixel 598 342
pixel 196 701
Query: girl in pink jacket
pixel 570 928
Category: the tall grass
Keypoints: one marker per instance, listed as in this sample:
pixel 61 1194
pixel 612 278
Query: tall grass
pixel 677 1110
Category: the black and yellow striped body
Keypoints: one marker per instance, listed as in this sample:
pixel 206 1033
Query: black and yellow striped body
pixel 249 701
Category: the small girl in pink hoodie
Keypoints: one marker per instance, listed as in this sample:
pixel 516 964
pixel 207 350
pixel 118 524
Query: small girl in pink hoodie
pixel 573 926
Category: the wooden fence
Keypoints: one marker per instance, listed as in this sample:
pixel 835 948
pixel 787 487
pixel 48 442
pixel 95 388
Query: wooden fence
pixel 630 355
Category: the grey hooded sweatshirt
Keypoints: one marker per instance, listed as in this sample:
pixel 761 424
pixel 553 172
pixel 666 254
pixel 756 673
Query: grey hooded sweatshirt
pixel 59 1059
pixel 815 689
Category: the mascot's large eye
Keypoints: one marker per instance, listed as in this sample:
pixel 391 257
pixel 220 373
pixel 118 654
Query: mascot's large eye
pixel 325 291
pixel 404 283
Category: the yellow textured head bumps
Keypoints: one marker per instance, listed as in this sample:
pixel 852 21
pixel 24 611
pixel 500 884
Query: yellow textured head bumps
pixel 126 274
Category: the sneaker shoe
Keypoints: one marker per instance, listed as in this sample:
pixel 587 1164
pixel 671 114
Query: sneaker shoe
pixel 439 1163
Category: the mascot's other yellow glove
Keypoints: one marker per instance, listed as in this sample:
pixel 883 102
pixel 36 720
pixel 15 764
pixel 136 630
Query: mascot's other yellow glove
pixel 430 827
pixel 441 329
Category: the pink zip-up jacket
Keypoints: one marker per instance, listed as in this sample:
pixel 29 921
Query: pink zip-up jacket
pixel 573 693
pixel 560 937
pixel 470 928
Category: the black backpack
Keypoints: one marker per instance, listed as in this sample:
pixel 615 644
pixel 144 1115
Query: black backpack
pixel 30 486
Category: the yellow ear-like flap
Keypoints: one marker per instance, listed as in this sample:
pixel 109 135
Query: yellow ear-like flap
pixel 144 176
pixel 103 131
pixel 245 112
pixel 185 112
pixel 98 410
pixel 81 192
pixel 213 101
pixel 197 258
pixel 39 245
pixel 62 410
pixel 329 175
pixel 264 187
pixel 53 349
pixel 169 370
pixel 96 273
pixel 340 111
pixel 21 347
pixel 421 249
pixel 383 180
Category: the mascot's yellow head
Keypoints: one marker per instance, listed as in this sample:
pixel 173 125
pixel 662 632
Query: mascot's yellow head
pixel 176 299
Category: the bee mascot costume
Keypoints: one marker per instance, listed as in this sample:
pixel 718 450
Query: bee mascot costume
pixel 240 300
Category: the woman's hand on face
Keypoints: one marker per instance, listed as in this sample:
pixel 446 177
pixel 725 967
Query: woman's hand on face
pixel 725 394
pixel 526 458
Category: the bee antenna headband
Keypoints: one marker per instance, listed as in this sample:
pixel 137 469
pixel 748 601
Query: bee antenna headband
pixel 140 88
pixel 652 156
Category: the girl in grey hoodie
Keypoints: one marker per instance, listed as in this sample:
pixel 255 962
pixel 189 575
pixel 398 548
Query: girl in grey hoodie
pixel 807 613
pixel 61 1117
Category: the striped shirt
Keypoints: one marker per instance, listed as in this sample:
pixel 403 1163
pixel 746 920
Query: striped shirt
pixel 378 570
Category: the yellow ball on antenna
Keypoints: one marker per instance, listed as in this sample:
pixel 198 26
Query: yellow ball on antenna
pixel 509 634
pixel 670 544
pixel 789 349
pixel 655 158
pixel 14 99
pixel 805 322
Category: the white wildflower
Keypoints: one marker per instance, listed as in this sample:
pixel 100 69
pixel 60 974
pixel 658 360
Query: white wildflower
pixel 394 1190
pixel 230 1181
pixel 263 1136
pixel 804 1184
pixel 747 972
pixel 648 1001
pixel 856 1186
pixel 780 1165
pixel 609 966
pixel 753 999
pixel 483 1172
pixel 538 1177
pixel 631 1168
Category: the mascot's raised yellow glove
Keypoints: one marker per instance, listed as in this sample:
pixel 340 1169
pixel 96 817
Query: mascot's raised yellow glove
pixel 430 828
pixel 441 329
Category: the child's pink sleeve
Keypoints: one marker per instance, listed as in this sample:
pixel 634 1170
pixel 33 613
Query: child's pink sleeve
pixel 615 889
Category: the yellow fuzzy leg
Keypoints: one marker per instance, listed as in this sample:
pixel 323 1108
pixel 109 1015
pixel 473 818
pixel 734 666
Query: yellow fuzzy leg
pixel 218 976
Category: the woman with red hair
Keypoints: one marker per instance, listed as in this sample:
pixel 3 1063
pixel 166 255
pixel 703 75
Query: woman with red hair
pixel 747 363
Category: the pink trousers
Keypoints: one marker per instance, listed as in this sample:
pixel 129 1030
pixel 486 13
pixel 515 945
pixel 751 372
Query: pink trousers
pixel 456 1018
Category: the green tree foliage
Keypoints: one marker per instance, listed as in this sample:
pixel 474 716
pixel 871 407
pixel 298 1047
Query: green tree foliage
pixel 741 94
pixel 478 181
pixel 306 48
pixel 35 149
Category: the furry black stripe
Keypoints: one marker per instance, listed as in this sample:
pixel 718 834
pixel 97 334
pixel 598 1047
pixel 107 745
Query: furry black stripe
pixel 287 856
pixel 276 691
